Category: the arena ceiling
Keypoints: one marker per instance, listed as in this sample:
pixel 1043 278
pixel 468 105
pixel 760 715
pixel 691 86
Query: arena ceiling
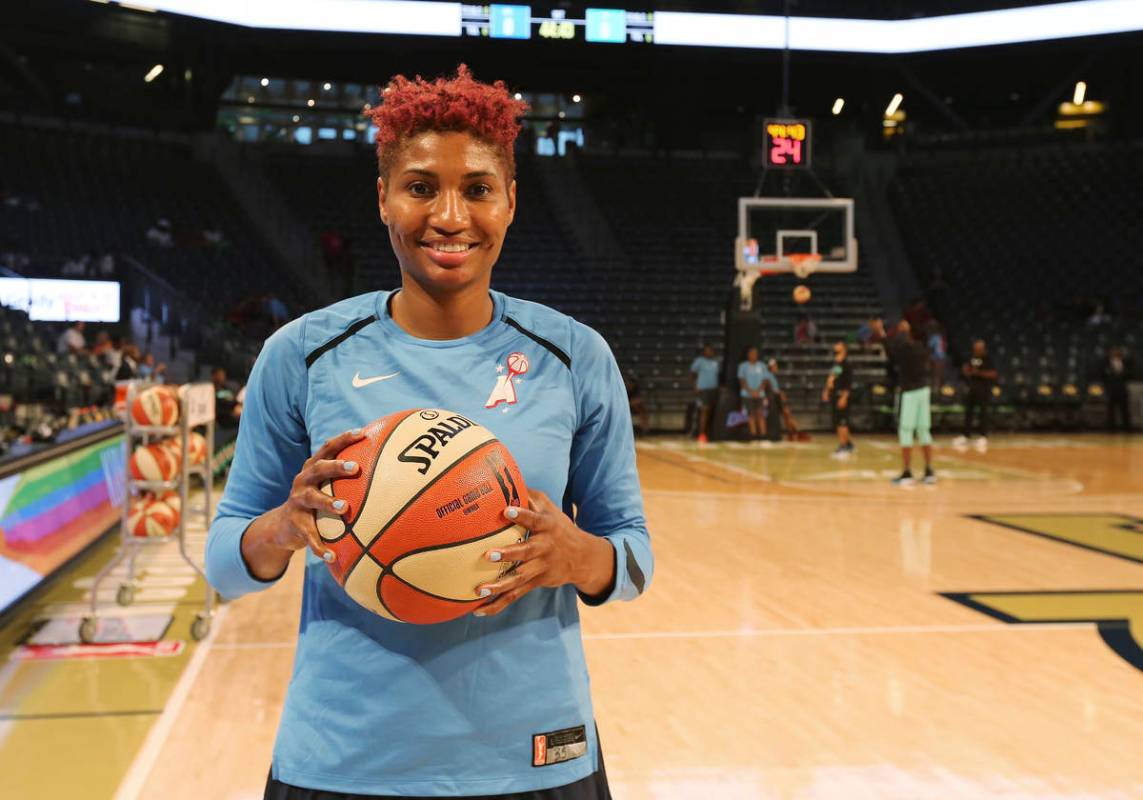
pixel 52 49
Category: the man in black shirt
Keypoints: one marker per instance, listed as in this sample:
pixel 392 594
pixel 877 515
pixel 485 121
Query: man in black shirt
pixel 913 359
pixel 1116 373
pixel 981 375
pixel 836 393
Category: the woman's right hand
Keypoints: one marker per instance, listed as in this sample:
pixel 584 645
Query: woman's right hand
pixel 273 537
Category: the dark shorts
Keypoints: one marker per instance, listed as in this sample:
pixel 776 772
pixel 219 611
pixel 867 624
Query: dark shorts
pixel 708 398
pixel 593 787
pixel 840 416
pixel 753 405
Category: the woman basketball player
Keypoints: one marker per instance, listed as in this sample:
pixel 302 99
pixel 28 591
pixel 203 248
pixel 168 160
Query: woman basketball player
pixel 495 704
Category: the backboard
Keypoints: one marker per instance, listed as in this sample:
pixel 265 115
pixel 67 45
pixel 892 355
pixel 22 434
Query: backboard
pixel 776 233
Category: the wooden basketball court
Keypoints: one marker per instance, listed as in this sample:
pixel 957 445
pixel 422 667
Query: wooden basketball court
pixel 811 632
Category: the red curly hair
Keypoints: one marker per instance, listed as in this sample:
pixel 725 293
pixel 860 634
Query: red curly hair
pixel 410 107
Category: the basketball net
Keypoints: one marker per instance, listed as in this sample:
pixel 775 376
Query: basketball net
pixel 804 264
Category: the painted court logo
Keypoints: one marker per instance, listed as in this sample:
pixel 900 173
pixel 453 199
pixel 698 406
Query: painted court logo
pixel 505 389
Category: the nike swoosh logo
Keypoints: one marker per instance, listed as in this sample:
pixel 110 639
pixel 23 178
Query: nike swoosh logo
pixel 358 381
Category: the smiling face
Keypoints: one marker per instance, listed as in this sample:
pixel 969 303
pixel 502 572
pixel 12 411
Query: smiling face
pixel 448 201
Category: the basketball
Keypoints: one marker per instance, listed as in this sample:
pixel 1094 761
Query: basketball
pixel 517 363
pixel 150 517
pixel 802 294
pixel 171 498
pixel 158 405
pixel 424 508
pixel 153 462
pixel 196 447
pixel 173 446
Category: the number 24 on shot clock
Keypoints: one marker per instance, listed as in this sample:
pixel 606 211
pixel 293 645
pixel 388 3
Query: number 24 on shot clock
pixel 787 143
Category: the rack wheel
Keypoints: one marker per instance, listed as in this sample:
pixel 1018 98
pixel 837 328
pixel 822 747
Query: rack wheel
pixel 126 594
pixel 87 630
pixel 200 628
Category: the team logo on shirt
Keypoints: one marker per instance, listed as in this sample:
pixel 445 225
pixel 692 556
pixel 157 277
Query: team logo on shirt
pixel 504 391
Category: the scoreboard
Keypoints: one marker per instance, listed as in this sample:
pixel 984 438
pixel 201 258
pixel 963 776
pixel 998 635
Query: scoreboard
pixel 605 25
pixel 786 143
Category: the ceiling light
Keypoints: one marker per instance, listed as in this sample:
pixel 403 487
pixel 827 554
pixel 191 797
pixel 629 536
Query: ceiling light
pixel 310 102
pixel 576 98
pixel 1081 91
pixel 838 105
pixel 155 72
pixel 894 104
pixel 265 81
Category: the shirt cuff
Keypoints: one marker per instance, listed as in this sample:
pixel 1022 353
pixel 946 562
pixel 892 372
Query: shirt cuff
pixel 227 570
pixel 629 580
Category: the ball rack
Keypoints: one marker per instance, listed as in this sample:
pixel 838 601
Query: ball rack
pixel 196 410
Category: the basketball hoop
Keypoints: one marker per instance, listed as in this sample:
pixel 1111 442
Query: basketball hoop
pixel 804 264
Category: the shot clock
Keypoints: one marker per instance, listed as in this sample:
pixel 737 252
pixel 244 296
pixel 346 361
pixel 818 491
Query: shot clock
pixel 786 143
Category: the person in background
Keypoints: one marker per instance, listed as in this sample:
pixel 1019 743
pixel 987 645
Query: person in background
pixel 705 371
pixel 938 354
pixel 635 402
pixel 1116 372
pixel 793 433
pixel 752 377
pixel 101 346
pixel 871 332
pixel 913 359
pixel 72 339
pixel 128 364
pixel 114 356
pixel 150 370
pixel 805 332
pixel 837 390
pixel 224 400
pixel 981 375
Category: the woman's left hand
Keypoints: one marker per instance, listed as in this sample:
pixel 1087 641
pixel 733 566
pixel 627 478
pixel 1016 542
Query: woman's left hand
pixel 556 553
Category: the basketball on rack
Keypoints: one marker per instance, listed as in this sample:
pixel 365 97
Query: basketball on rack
pixel 802 294
pixel 424 508
pixel 158 405
pixel 153 462
pixel 196 447
pixel 173 446
pixel 171 498
pixel 150 517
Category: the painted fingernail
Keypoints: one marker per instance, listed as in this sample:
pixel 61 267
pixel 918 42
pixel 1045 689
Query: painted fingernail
pixel 355 432
pixel 328 556
pixel 485 592
pixel 512 512
pixel 478 613
pixel 495 555
pixel 349 466
pixel 339 505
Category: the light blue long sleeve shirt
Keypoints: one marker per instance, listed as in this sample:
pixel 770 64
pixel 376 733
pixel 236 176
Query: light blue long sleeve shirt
pixel 379 707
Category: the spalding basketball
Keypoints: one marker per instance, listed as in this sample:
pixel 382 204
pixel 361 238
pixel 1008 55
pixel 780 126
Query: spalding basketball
pixel 150 517
pixel 174 447
pixel 802 294
pixel 153 462
pixel 171 498
pixel 196 447
pixel 424 508
pixel 155 406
